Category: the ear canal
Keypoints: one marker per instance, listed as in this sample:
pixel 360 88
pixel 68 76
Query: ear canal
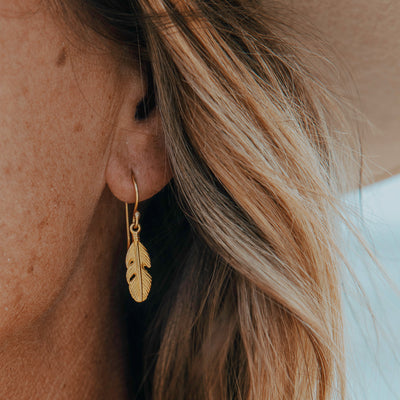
pixel 145 107
pixel 148 103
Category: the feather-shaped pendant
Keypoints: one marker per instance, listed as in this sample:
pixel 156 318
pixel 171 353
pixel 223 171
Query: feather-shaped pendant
pixel 137 262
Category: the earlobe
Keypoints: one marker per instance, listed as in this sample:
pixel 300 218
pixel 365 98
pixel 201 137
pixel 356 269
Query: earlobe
pixel 138 147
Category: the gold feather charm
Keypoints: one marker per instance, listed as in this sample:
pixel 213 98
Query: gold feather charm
pixel 137 258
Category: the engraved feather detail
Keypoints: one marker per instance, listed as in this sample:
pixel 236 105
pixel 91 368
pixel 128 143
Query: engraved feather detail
pixel 137 261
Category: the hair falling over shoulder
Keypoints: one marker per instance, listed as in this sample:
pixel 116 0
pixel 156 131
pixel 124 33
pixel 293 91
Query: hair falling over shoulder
pixel 254 310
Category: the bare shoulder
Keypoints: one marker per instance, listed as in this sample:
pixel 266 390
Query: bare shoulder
pixel 367 35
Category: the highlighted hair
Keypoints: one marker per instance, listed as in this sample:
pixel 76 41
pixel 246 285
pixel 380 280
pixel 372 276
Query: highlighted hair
pixel 254 311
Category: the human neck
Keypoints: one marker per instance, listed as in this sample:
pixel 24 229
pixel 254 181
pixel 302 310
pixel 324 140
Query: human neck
pixel 75 351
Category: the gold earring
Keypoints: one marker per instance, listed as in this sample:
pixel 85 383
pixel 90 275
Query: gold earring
pixel 137 258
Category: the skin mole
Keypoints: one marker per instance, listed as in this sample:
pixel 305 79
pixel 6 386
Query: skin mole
pixel 61 58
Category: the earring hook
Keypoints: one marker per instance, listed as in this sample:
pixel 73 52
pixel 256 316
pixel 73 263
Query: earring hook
pixel 136 193
pixel 136 214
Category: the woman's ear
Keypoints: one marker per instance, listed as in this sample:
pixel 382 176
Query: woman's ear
pixel 138 146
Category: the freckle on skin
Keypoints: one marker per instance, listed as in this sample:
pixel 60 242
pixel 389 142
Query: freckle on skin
pixel 43 223
pixel 61 58
pixel 78 127
pixel 30 269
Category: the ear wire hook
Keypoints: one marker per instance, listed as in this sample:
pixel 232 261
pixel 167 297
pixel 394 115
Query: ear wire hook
pixel 135 216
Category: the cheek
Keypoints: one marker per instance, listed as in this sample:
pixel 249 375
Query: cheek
pixel 54 147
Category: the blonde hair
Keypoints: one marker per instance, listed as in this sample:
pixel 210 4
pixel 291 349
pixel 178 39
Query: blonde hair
pixel 253 138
